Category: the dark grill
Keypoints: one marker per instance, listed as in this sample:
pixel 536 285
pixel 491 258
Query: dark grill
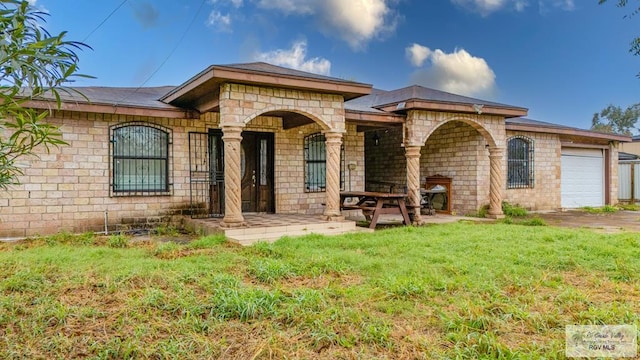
pixel 520 157
pixel 315 159
pixel 140 159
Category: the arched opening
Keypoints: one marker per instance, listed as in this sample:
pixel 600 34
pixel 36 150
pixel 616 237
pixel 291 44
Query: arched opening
pixel 457 151
pixel 279 165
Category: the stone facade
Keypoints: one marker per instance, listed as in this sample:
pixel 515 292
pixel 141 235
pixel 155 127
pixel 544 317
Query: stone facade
pixel 458 151
pixel 240 104
pixel 545 193
pixel 454 150
pixel 68 189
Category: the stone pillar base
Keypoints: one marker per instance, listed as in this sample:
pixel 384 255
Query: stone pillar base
pixel 226 224
pixel 333 217
pixel 496 216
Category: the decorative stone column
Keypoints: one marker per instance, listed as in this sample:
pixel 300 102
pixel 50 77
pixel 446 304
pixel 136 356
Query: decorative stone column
pixel 496 182
pixel 232 136
pixel 333 144
pixel 413 180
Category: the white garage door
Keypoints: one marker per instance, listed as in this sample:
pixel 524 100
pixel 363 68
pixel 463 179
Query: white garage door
pixel 582 178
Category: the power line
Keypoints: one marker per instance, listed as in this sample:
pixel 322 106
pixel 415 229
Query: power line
pixel 184 34
pixel 105 20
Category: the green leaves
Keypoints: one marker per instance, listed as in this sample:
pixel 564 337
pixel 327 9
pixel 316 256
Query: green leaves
pixel 33 63
pixel 613 119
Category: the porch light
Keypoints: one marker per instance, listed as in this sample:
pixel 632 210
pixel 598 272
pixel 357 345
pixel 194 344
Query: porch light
pixel 376 139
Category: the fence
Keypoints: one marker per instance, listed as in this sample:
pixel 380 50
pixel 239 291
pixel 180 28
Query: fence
pixel 629 181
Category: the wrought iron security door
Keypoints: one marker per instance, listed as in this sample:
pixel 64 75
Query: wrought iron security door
pixel 206 173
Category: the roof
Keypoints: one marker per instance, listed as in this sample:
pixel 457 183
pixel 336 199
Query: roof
pixel 524 124
pixel 627 156
pixel 142 101
pixel 147 97
pixel 279 70
pixel 200 92
pixel 420 97
pixel 424 93
pixel 365 103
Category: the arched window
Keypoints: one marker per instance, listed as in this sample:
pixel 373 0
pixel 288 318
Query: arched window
pixel 140 159
pixel 520 172
pixel 315 163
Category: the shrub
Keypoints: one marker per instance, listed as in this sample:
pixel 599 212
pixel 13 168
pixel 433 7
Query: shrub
pixel 513 210
pixel 118 241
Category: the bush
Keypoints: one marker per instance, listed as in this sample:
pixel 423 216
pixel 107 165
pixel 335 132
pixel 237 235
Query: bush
pixel 513 210
pixel 118 241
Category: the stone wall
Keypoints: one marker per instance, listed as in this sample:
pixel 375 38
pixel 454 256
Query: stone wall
pixel 385 163
pixel 68 189
pixel 545 194
pixel 291 196
pixel 456 150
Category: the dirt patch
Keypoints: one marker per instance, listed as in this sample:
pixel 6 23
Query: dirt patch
pixel 609 223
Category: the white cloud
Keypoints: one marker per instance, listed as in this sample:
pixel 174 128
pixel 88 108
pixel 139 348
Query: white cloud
pixel 296 58
pixel 417 54
pixel 487 7
pixel 520 5
pixel 458 72
pixel 567 5
pixel 484 7
pixel 355 21
pixel 219 21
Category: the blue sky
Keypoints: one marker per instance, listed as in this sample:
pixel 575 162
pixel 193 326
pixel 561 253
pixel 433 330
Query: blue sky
pixel 562 59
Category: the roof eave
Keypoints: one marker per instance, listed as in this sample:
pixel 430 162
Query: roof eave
pixel 221 74
pixel 442 106
pixel 119 109
pixel 568 131
pixel 369 117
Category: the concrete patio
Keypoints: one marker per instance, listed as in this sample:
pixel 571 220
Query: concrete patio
pixel 271 227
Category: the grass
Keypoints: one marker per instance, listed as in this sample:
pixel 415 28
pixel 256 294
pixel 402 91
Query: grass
pixel 629 207
pixel 607 209
pixel 467 291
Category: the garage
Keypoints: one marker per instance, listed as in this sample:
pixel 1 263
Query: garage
pixel 582 177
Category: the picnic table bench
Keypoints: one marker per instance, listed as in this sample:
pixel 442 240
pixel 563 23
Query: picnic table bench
pixel 374 204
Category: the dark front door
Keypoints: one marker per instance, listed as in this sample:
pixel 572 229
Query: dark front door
pixel 256 169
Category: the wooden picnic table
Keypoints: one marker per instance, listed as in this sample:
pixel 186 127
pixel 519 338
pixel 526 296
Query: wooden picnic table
pixel 374 204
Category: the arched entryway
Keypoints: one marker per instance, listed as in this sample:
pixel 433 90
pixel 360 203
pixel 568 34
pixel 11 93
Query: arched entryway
pixel 467 150
pixel 261 153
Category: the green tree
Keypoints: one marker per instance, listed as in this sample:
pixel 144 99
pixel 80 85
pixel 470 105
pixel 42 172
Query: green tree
pixel 613 119
pixel 33 64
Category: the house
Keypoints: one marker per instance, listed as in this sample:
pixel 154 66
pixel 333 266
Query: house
pixel 258 138
pixel 632 147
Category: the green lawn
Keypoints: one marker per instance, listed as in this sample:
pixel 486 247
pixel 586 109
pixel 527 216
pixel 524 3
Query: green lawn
pixel 448 291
